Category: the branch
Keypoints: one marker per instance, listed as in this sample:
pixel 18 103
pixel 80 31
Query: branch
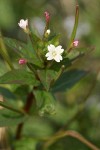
pixel 73 134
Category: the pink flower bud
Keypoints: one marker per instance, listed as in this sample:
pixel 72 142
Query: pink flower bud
pixel 22 61
pixel 75 43
pixel 47 16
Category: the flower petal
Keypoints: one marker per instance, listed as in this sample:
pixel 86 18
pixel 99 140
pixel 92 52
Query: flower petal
pixel 51 47
pixel 47 54
pixel 59 49
pixel 23 23
pixel 60 57
pixel 50 58
pixel 57 58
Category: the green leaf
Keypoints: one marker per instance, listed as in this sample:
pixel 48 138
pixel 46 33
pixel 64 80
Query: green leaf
pixel 14 44
pixel 73 54
pixel 68 80
pixel 57 66
pixel 54 39
pixel 32 53
pixel 10 106
pixel 18 47
pixel 35 39
pixel 7 118
pixel 37 127
pixel 47 77
pixel 19 76
pixel 79 53
pixel 7 93
pixel 75 27
pixel 25 50
pixel 22 91
pixel 34 46
pixel 25 143
pixel 45 102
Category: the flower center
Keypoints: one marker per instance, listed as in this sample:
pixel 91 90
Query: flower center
pixel 54 53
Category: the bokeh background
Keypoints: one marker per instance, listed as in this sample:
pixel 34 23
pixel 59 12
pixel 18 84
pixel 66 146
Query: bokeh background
pixel 78 108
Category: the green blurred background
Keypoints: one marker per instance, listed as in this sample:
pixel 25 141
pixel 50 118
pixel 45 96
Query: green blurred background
pixel 78 108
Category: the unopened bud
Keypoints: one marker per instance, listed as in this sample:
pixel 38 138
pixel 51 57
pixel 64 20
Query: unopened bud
pixel 22 61
pixel 75 43
pixel 47 33
pixel 47 16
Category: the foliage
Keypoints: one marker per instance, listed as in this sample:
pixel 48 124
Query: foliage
pixel 34 92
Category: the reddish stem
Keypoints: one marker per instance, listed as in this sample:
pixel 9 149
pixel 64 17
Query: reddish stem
pixel 26 108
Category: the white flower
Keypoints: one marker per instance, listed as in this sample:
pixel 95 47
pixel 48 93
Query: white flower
pixel 23 24
pixel 54 53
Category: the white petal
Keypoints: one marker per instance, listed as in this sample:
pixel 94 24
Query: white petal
pixel 26 22
pixel 23 23
pixel 59 50
pixel 59 47
pixel 47 54
pixel 57 59
pixel 50 58
pixel 60 57
pixel 51 47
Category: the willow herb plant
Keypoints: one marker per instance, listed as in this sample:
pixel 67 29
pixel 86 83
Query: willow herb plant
pixel 43 68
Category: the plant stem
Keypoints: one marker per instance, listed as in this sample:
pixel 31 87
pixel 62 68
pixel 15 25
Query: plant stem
pixel 73 134
pixel 26 108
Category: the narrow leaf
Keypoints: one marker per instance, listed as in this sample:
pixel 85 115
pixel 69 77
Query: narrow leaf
pixel 14 44
pixel 33 52
pixel 8 106
pixel 54 39
pixel 19 76
pixel 74 28
pixel 68 80
pixel 7 93
pixel 25 50
pixel 7 119
pixel 66 62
